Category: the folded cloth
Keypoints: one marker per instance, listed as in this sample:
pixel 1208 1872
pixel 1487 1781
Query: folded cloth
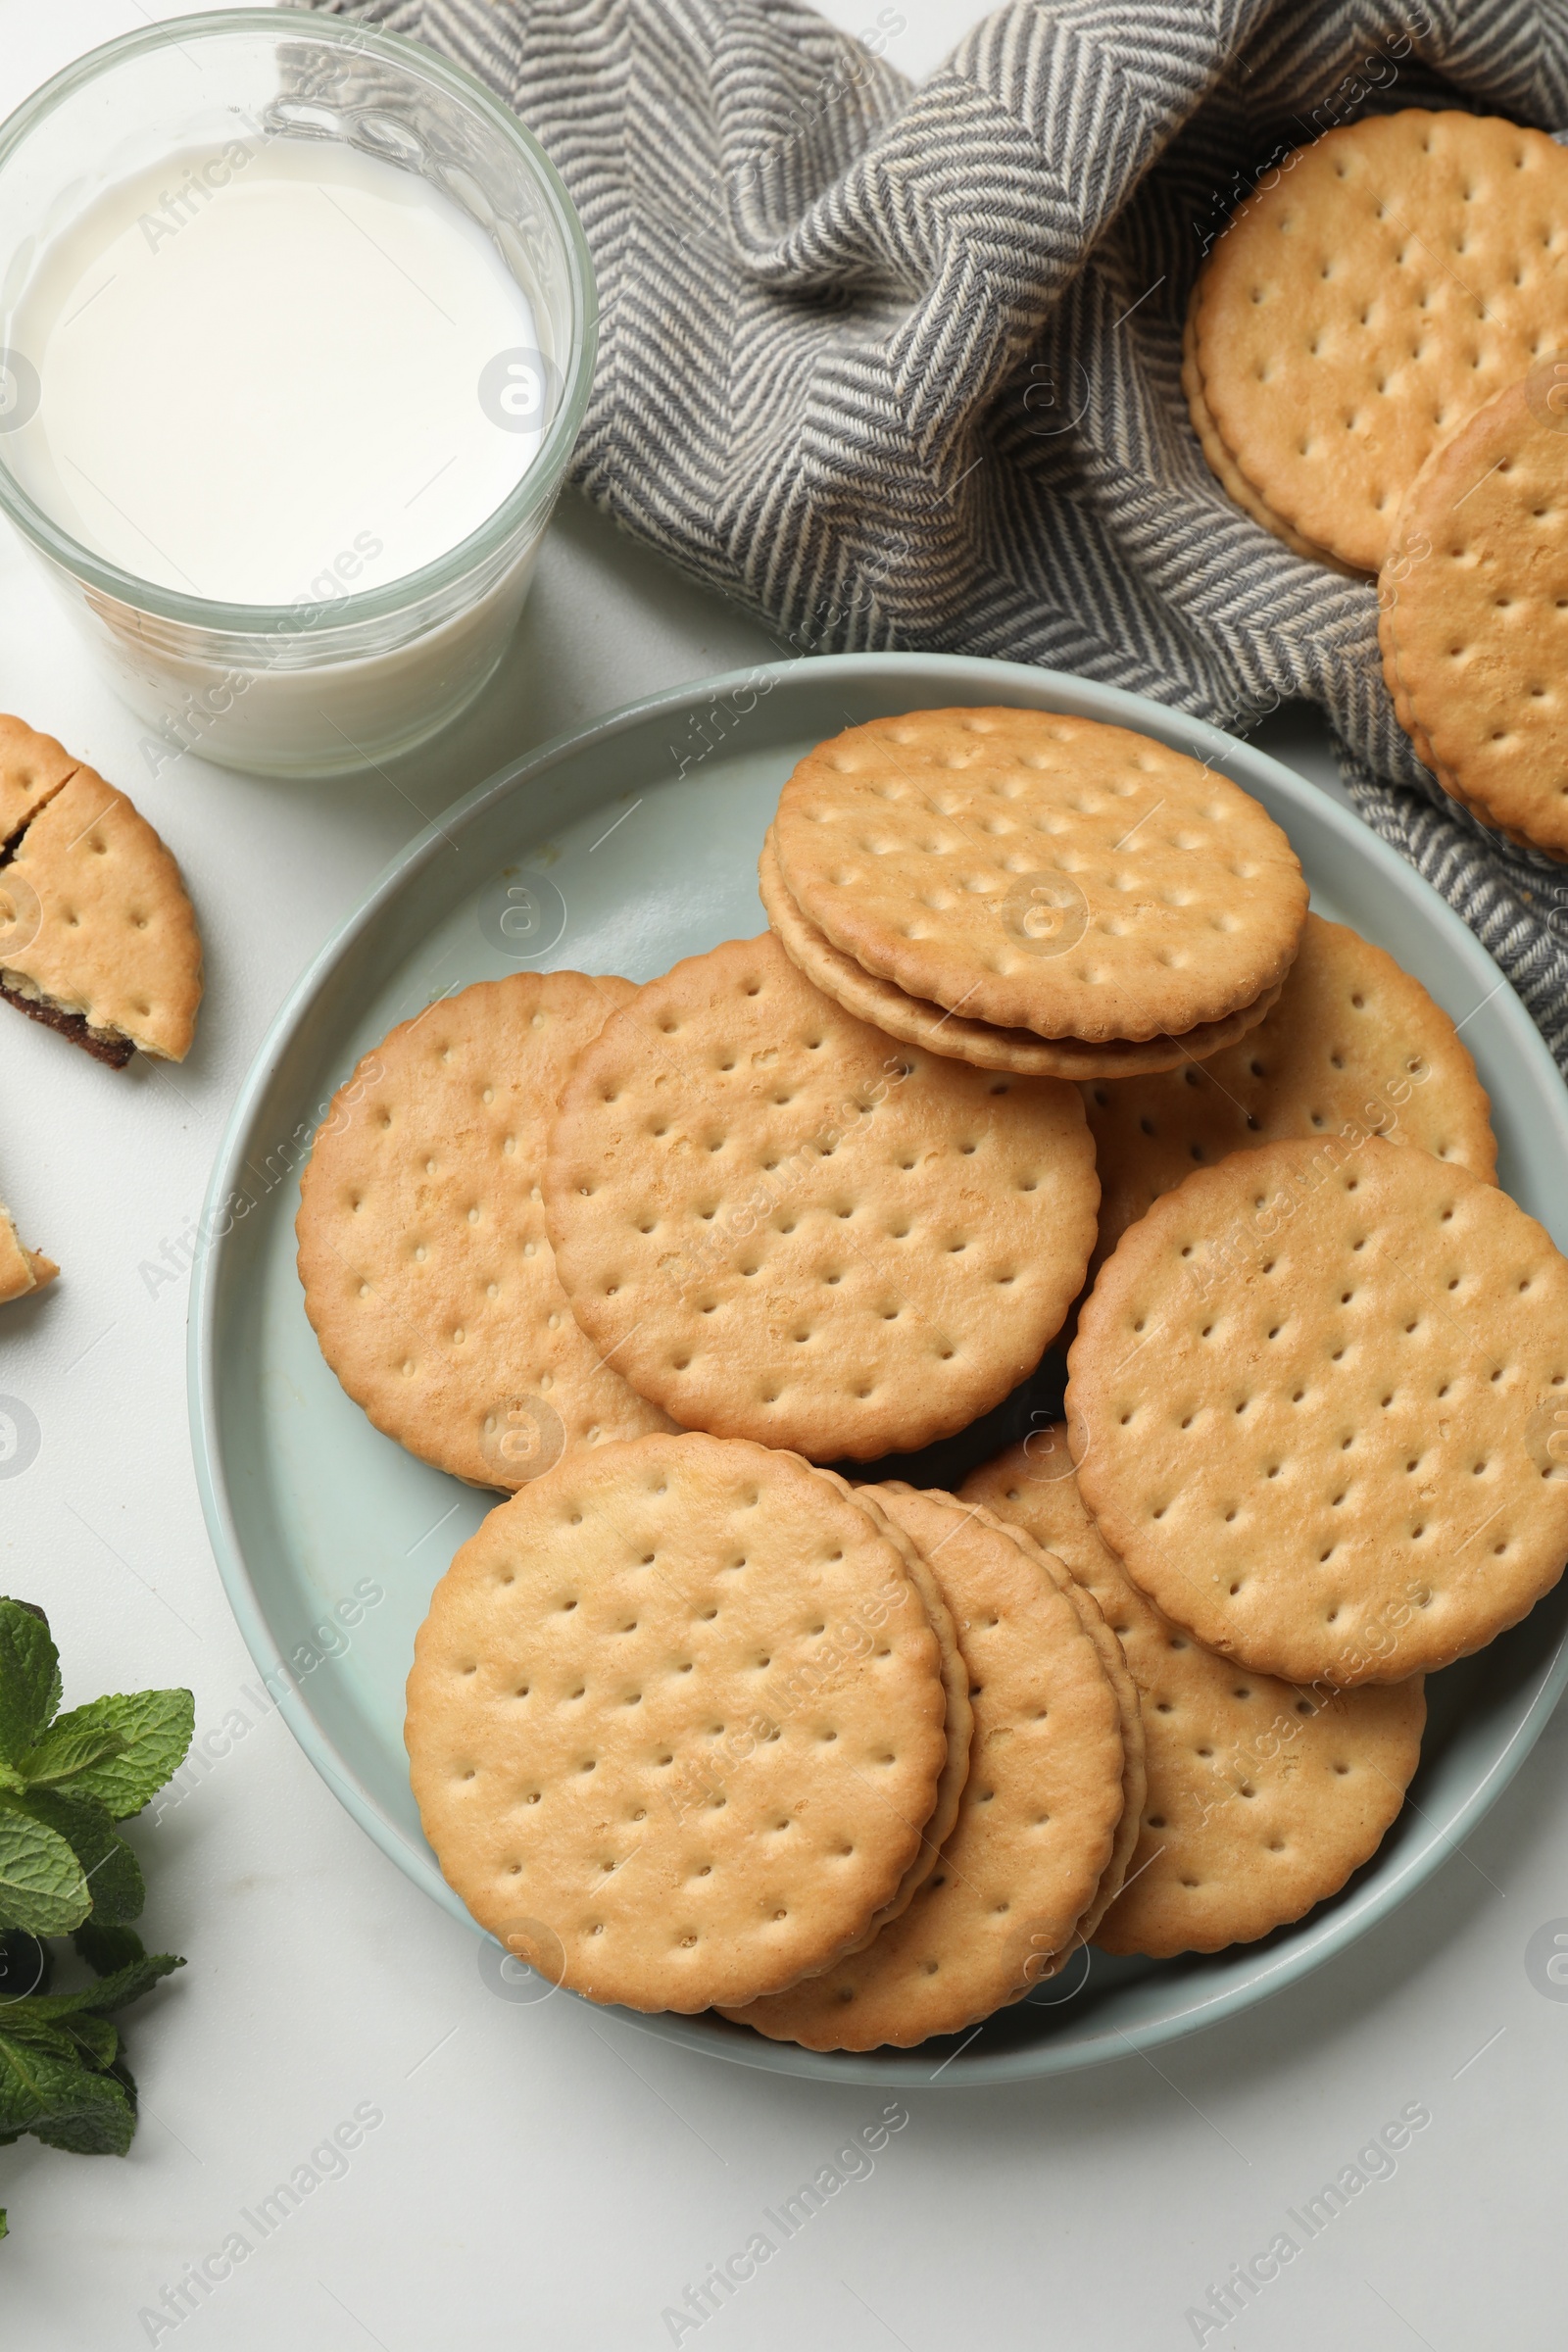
pixel 901 368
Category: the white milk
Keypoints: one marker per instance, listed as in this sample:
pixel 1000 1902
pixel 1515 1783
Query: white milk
pixel 263 373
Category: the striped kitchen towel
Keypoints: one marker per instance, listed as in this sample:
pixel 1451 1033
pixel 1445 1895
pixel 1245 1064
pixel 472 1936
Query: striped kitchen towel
pixel 899 368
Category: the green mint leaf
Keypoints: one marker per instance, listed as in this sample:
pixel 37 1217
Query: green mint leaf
pixel 38 2033
pixel 62 2102
pixel 11 1779
pixel 118 1889
pixel 112 1872
pixel 98 2038
pixel 42 1888
pixel 80 2041
pixel 127 2084
pixel 69 1747
pixel 21 2098
pixel 101 2120
pixel 30 1678
pixel 110 1993
pixel 103 1949
pixel 155 1727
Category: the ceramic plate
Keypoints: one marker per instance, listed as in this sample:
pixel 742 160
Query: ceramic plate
pixel 620 850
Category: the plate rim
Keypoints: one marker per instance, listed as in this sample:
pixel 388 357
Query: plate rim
pixel 1338 1930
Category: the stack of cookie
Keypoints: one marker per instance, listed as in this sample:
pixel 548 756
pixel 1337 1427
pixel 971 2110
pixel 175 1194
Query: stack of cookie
pixel 690 1725
pixel 999 1911
pixel 861 1766
pixel 1026 891
pixel 1370 366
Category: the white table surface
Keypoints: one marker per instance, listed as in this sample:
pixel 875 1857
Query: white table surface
pixel 542 2176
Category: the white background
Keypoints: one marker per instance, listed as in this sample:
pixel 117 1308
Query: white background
pixel 545 2176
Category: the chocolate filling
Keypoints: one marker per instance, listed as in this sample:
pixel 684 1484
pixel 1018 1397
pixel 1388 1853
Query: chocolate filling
pixel 104 1044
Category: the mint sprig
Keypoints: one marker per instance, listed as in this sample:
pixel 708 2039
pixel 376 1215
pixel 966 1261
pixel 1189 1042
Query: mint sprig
pixel 119 1749
pixel 65 1781
pixel 29 1677
pixel 43 1887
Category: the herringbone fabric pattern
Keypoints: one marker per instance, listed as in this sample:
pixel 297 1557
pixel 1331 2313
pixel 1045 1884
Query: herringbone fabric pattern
pixel 900 367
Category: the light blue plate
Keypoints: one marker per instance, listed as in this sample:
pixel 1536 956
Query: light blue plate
pixel 620 850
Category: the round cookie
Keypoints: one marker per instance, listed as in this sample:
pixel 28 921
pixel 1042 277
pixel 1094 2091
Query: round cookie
pixel 1304 1401
pixel 1134 1775
pixel 1355 1045
pixel 1474 619
pixel 1393 277
pixel 675 1721
pixel 1036 1824
pixel 781 1225
pixel 886 1006
pixel 428 1275
pixel 1262 1799
pixel 1042 872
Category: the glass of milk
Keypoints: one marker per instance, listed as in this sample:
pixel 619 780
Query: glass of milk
pixel 297 325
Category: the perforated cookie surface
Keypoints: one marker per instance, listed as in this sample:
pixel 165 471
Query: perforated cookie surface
pixel 1403 711
pixel 1309 1400
pixel 1262 1797
pixel 955 1691
pixel 1353 1046
pixel 1396 274
pixel 428 1275
pixel 675 1721
pixel 1035 1826
pixel 112 935
pixel 1043 873
pixel 1224 467
pixel 1474 613
pixel 32 768
pixel 953 1034
pixel 1107 1648
pixel 783 1225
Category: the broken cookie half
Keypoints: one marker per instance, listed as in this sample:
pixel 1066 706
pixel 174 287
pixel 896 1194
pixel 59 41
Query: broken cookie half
pixel 20 1270
pixel 97 936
